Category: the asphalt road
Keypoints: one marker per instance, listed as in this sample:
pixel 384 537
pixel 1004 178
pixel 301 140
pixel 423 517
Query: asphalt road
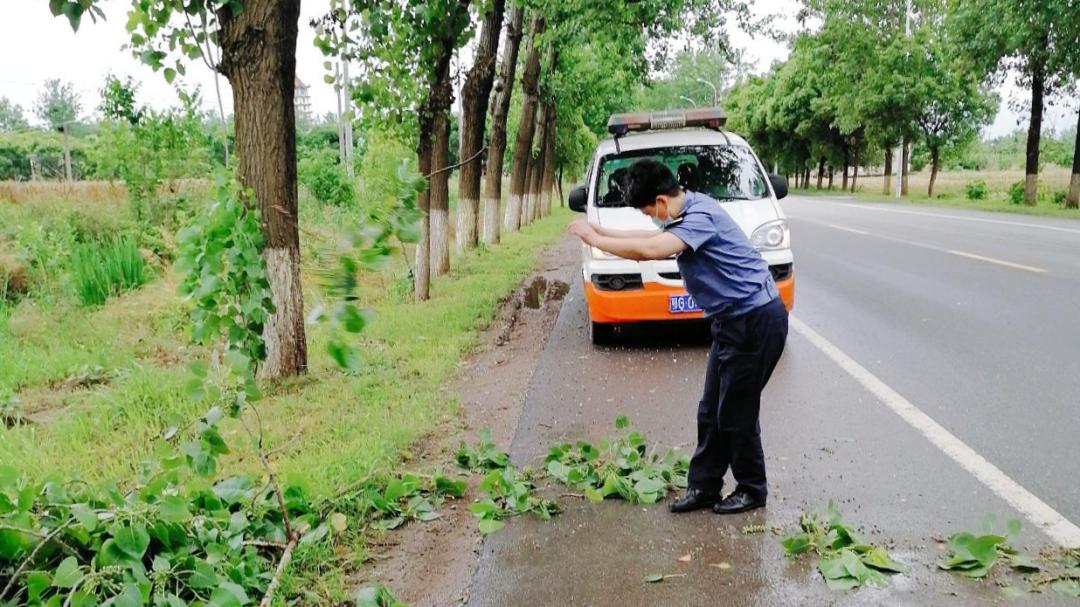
pixel 932 377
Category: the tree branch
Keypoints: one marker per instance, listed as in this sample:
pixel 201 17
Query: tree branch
pixel 33 553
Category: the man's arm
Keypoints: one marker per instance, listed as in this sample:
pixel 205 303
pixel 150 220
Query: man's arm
pixel 611 233
pixel 658 245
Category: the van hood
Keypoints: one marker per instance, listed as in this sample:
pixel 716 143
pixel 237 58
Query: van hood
pixel 748 215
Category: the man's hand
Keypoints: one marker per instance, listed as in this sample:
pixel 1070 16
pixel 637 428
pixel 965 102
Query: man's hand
pixel 583 230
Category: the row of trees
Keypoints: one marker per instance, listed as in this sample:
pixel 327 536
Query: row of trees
pixel 874 78
pixel 564 66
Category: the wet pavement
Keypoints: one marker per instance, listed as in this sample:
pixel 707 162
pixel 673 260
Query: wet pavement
pixel 826 437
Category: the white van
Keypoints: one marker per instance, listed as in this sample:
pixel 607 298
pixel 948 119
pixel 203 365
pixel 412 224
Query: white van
pixel 706 159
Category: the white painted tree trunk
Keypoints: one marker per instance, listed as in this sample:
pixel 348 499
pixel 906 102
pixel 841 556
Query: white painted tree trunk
pixel 512 220
pixel 490 212
pixel 440 242
pixel 466 224
pixel 283 334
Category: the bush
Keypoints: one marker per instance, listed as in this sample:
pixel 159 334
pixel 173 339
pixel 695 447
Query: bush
pixel 1059 197
pixel 321 173
pixel 977 190
pixel 1016 193
pixel 380 173
pixel 13 280
pixel 101 269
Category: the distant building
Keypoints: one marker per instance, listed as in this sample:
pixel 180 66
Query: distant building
pixel 302 101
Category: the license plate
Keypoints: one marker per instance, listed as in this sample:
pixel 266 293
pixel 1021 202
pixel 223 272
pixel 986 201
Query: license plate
pixel 679 304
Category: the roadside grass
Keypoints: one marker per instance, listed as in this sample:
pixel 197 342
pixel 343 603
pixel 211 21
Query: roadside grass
pixel 326 429
pixel 949 191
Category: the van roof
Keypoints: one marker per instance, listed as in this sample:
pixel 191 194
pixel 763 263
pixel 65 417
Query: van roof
pixel 671 138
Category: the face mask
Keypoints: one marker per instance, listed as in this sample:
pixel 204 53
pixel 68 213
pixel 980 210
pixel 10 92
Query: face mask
pixel 662 223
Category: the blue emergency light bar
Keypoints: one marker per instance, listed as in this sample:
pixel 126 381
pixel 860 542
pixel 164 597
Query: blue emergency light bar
pixel 621 124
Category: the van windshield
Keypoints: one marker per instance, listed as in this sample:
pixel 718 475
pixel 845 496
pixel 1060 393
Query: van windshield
pixel 724 172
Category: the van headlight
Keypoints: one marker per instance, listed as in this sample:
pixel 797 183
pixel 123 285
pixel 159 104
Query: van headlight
pixel 772 236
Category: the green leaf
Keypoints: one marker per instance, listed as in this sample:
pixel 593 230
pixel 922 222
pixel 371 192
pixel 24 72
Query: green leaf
pixel 622 422
pixel 232 489
pixel 133 540
pixel 203 576
pixel 67 574
pixel 797 544
pixel 170 75
pixel 654 578
pixel 86 517
pixel 879 559
pixel 490 525
pixel 228 594
pixel 446 486
pixel 174 509
pixel 37 582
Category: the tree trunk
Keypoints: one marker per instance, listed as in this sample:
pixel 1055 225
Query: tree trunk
pixel 806 178
pixel 1073 201
pixel 830 178
pixel 886 188
pixel 474 105
pixel 855 171
pixel 259 59
pixel 432 155
pixel 905 156
pixel 440 189
pixel 536 168
pixel 67 153
pixel 422 276
pixel 1031 168
pixel 497 138
pixel 523 145
pixel 935 164
pixel 820 171
pixel 844 181
pixel 548 184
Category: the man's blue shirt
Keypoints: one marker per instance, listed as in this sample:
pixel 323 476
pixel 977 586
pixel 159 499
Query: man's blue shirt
pixel 721 269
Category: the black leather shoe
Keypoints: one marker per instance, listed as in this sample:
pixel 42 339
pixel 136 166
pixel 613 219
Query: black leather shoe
pixel 694 499
pixel 738 501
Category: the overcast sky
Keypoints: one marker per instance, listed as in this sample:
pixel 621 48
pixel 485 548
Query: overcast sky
pixel 36 46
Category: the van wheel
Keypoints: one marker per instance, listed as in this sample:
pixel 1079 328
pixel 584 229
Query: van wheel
pixel 602 334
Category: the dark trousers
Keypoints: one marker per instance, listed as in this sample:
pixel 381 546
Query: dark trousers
pixel 744 353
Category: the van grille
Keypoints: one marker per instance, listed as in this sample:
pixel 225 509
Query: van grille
pixel 616 282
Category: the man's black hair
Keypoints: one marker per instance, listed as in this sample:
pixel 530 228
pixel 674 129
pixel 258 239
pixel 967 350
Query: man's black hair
pixel 648 179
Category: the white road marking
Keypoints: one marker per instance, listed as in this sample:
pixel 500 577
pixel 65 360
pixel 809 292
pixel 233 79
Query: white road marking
pixel 1000 262
pixel 852 230
pixel 1060 529
pixel 1020 224
pixel 1007 264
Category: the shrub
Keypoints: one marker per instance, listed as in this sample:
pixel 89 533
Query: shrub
pixel 101 269
pixel 1016 193
pixel 977 190
pixel 321 173
pixel 13 279
pixel 380 173
pixel 1059 197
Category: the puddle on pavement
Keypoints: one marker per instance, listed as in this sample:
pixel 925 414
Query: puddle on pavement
pixel 541 290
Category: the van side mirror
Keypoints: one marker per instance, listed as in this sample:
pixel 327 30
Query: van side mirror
pixel 579 199
pixel 779 185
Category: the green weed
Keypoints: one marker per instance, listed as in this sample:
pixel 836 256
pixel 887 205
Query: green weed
pixel 102 269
